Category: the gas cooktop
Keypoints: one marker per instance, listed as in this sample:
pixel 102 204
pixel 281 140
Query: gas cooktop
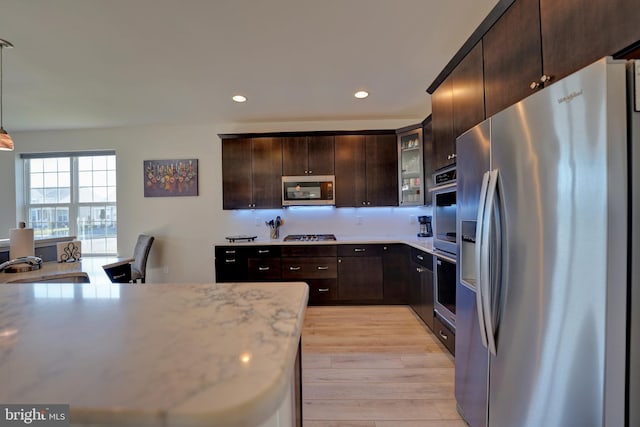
pixel 309 237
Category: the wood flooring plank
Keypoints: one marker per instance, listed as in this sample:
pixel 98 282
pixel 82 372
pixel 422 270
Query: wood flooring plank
pixel 421 423
pixel 375 366
pixel 339 423
pixel 382 390
pixel 376 409
pixel 408 375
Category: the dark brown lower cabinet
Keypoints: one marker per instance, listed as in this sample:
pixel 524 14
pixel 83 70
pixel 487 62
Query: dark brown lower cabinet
pixel 231 264
pixel 337 274
pixel 445 334
pixel 317 266
pixel 360 279
pixel 395 272
pixel 421 294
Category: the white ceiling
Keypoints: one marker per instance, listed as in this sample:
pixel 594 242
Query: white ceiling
pixel 104 63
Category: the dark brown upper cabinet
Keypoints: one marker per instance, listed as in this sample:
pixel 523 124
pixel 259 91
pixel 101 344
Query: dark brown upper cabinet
pixel 366 170
pixel 512 56
pixel 442 124
pixel 468 92
pixel 251 173
pixel 457 105
pixel 308 155
pixel 576 33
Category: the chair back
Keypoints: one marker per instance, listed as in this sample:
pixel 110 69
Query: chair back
pixel 140 255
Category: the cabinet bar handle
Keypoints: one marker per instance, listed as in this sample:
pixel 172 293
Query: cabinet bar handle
pixel 420 257
pixel 294 268
pixel 263 251
pixel 230 252
pixel 443 335
pixel 263 268
pixel 323 290
pixel 323 267
pixel 359 250
pixel 230 261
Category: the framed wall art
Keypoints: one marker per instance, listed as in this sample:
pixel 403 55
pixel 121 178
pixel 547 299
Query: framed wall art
pixel 170 178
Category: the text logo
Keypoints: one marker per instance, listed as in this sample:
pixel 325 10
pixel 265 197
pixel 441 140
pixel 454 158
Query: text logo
pixel 34 415
pixel 569 97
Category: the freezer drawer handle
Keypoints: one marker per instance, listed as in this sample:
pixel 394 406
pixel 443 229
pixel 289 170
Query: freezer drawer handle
pixel 294 268
pixel 443 335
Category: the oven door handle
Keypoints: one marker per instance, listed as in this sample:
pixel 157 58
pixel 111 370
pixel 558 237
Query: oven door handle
pixel 480 256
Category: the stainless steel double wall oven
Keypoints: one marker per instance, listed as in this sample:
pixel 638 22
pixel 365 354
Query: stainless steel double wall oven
pixel 444 243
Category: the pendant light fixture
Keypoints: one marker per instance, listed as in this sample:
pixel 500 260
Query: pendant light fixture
pixel 6 143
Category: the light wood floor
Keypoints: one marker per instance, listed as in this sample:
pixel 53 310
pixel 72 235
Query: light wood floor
pixel 374 366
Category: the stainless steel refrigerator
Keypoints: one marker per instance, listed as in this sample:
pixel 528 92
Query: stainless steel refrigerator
pixel 548 313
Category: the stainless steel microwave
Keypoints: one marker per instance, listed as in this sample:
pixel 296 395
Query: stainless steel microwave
pixel 308 190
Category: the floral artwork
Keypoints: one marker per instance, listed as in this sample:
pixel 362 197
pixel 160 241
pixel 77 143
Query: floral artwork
pixel 170 178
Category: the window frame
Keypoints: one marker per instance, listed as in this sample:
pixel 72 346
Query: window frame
pixel 74 206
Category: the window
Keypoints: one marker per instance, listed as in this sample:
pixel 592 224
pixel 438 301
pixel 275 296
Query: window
pixel 73 194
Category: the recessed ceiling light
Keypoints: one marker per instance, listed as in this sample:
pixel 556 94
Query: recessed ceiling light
pixel 361 94
pixel 239 98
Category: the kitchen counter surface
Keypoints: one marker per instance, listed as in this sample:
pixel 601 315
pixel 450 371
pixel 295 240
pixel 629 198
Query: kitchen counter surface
pixel 59 271
pixel 153 354
pixel 423 243
pixel 38 243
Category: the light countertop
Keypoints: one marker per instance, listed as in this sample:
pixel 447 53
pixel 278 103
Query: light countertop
pixel 423 243
pixel 38 243
pixel 90 267
pixel 153 354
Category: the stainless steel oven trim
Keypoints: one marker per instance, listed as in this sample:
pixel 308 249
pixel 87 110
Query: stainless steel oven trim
pixel 309 178
pixel 444 245
pixel 443 312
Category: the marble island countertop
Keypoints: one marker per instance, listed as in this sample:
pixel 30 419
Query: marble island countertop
pixel 151 355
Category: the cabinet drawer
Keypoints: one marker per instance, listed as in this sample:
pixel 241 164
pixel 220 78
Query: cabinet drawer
pixel 322 291
pixel 309 268
pixel 360 250
pixel 311 250
pixel 422 258
pixel 264 269
pixel 263 251
pixel 444 334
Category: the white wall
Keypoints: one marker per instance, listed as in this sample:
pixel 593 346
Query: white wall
pixel 186 227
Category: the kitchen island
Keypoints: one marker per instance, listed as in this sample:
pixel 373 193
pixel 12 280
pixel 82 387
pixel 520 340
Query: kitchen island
pixel 154 355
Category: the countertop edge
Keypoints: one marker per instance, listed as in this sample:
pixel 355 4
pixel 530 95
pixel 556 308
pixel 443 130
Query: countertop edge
pixel 256 411
pixel 422 243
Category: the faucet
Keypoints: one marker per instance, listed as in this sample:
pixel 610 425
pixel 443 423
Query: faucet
pixel 31 260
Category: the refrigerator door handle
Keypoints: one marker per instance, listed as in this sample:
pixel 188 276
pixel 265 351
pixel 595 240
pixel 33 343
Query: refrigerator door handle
pixel 486 261
pixel 479 255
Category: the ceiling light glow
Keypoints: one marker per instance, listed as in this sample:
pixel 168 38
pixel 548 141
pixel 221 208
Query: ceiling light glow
pixel 239 98
pixel 361 94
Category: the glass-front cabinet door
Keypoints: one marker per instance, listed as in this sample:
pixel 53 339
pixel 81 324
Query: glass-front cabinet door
pixel 410 167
